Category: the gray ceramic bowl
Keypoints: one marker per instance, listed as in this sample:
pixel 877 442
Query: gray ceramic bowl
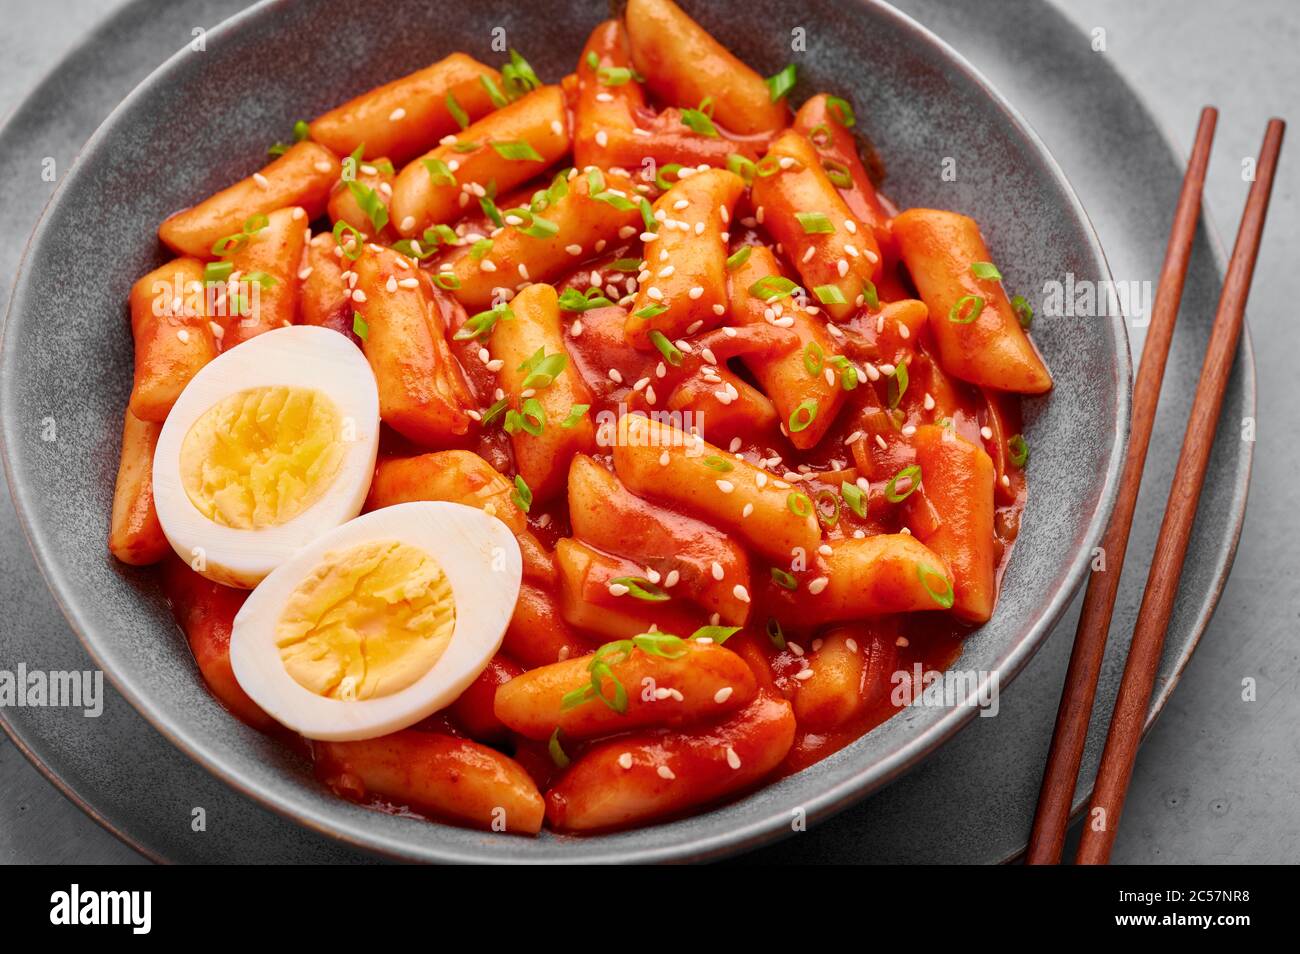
pixel 205 118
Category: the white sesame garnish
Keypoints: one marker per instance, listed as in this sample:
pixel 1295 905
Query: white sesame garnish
pixel 573 249
pixel 617 589
pixel 717 571
pixel 615 375
pixel 733 760
pixel 986 432
pixel 397 114
pixel 747 510
pixel 740 593
pixel 183 335
pixel 322 166
pixel 665 773
pixel 261 180
pixel 358 295
pixel 487 265
pixel 557 127
pixel 304 273
pixel 817 585
pixel 625 760
pixel 663 459
pixel 803 675
pixel 408 283
pixel 725 486
pixel 696 293
pixel 722 695
pixel 671 579
pixel 391 284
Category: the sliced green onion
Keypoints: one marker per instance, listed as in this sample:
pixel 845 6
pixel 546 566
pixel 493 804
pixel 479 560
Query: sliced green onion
pixel 260 279
pixel 897 384
pixel 494 92
pixel 1023 311
pixel 841 111
pixel 838 173
pixel 720 464
pixel 985 270
pixel 772 287
pixel 518 76
pixel 663 184
pixel 848 373
pixel 522 495
pixel 943 597
pixel 370 203
pixel 854 497
pixel 803 415
pixel 781 83
pixel 814 359
pixel 256 222
pixel 479 250
pixel 620 202
pixel 301 130
pixel 1019 448
pixel 489 207
pixel 641 588
pixel 593 60
pixel 543 369
pixel 830 295
pixel 478 325
pixel 798 503
pixel 815 223
pixel 457 111
pixel 966 309
pixel 774 633
pixel 215 273
pixel 492 413
pixel 440 172
pixel 739 257
pixel 625 265
pixel 650 311
pixel 352 251
pixel 700 122
pixel 530 418
pixel 613 75
pixel 870 297
pixel 557 751
pixel 518 151
pixel 741 166
pixel 672 354
pixel 661 644
pixel 715 634
pixel 827 520
pixel 784 579
pixel 648 216
pixel 575 415
pixel 574 300
pixel 359 326
pixel 447 281
pixel 913 473
pixel 466 145
pixel 229 245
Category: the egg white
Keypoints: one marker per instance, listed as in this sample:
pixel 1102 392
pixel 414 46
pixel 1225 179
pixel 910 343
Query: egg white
pixel 300 356
pixel 481 559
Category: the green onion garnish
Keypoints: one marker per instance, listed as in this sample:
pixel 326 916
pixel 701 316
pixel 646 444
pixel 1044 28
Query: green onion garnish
pixel 648 216
pixel 814 359
pixel 543 369
pixel 575 415
pixel 530 418
pixel 784 579
pixel 854 497
pixel 672 354
pixel 457 111
pixel 215 273
pixel 841 111
pixel 774 633
pixel 518 76
pixel 781 83
pixel 1019 448
pixel 700 122
pixel 798 503
pixel 720 464
pixel 966 309
pixel 482 323
pixel 870 297
pixel 353 249
pixel 613 75
pixel 803 415
pixel 492 413
pixel 897 384
pixel 943 597
pixel 741 166
pixel 838 173
pixel 848 373
pixel 772 287
pixel 830 519
pixel 641 588
pixel 479 250
pixel 439 172
pixel 985 270
pixel 557 751
pixel 739 257
pixel 359 326
pixel 663 184
pixel 830 295
pixel 522 495
pixel 447 281
pixel 815 223
pixel 650 311
pixel 519 151
pixel 661 644
pixel 913 473
pixel 625 265
pixel 494 92
pixel 229 245
pixel 715 634
pixel 256 222
pixel 574 300
pixel 370 203
pixel 1023 311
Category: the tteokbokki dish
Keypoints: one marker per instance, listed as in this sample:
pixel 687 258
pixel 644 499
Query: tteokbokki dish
pixel 578 454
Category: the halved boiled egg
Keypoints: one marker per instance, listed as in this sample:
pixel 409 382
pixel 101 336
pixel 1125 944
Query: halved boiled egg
pixel 269 446
pixel 381 622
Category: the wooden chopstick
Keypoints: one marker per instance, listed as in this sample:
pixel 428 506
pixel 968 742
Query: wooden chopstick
pixel 1129 717
pixel 1062 772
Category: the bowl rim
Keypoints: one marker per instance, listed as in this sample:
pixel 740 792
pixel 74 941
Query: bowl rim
pixel 702 846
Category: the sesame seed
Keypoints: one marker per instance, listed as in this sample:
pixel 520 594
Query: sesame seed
pixel 929 402
pixel 722 695
pixel 740 593
pixel 663 459
pixel 671 579
pixel 261 180
pixel 650 396
pixel 183 335
pixel 851 644
pixel 716 569
pixel 557 127
pixel 803 675
pixel 604 98
pixel 851 227
pixel 733 760
pixel 908 430
pixel 322 166
pixel 880 442
pixel 391 284
pixel 487 265
pixel 575 329
pixel 726 487
pixel 986 432
pixel 408 283
pixel 625 760
pixel 665 773
pixel 358 295
pixel 615 375
pixel 573 249
pixel 617 589
pixel 667 270
pixel 602 138
pixel 696 293
pixel 747 510
pixel 304 274
pixel 721 310
pixel 1005 481
pixel 397 114
pixel 496 364
pixel 842 266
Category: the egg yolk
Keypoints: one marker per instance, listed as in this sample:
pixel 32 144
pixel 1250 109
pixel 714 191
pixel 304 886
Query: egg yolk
pixel 261 457
pixel 368 622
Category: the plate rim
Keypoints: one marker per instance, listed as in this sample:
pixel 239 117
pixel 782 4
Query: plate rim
pixel 704 846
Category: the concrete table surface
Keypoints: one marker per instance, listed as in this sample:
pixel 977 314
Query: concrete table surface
pixel 1216 780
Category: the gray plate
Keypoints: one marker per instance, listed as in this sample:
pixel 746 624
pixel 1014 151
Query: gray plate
pixel 899 824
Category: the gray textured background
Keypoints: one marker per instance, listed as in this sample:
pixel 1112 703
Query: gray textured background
pixel 1216 781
